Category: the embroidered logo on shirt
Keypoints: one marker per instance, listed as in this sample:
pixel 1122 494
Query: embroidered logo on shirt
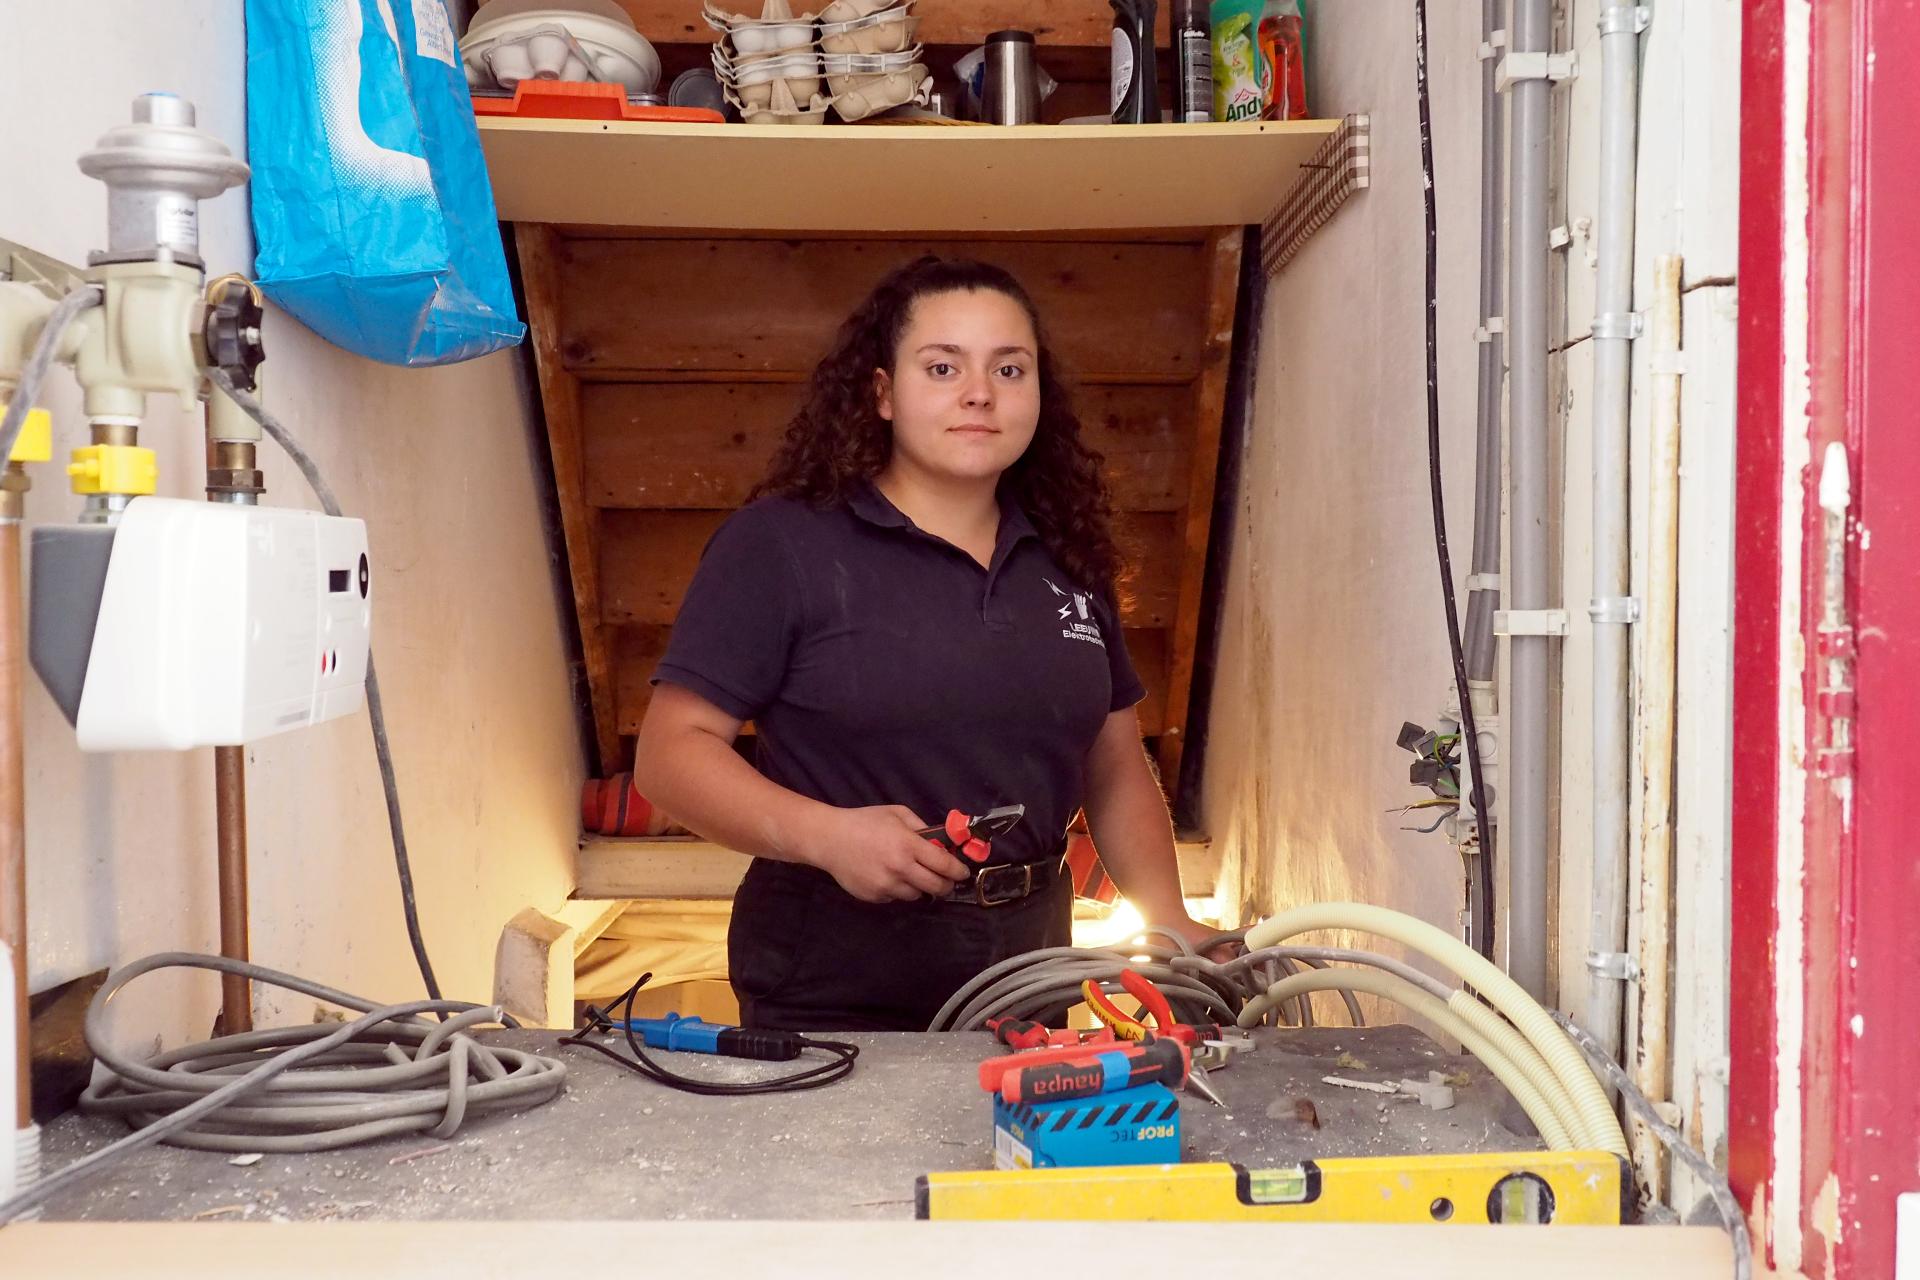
pixel 1077 615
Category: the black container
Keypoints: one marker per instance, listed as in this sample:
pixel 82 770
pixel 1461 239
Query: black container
pixel 1192 37
pixel 1136 73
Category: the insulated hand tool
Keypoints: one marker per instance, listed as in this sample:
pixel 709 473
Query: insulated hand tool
pixel 972 837
pixel 692 1035
pixel 1153 1005
pixel 1107 1071
pixel 994 1070
pixel 1020 1033
pixel 1126 1025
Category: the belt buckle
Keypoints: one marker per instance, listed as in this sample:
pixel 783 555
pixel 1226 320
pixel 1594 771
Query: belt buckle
pixel 980 884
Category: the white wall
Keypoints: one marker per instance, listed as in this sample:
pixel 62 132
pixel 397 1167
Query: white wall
pixel 443 466
pixel 1333 633
pixel 1687 205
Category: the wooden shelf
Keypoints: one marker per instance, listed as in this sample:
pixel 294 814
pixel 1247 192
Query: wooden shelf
pixel 894 178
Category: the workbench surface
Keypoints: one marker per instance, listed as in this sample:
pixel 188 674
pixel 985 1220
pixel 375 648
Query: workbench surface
pixel 617 1146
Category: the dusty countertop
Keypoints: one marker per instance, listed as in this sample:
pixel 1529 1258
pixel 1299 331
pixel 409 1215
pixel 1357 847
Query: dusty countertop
pixel 617 1146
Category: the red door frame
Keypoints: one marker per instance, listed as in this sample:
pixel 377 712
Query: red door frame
pixel 1859 1054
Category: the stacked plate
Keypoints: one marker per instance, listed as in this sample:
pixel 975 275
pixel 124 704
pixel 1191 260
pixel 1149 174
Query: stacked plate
pixel 581 40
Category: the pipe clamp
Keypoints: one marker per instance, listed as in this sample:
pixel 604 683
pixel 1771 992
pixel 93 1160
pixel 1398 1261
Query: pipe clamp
pixel 1616 966
pixel 1619 324
pixel 1619 610
pixel 1625 20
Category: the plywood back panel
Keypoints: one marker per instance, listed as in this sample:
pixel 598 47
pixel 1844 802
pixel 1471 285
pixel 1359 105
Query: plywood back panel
pixel 706 444
pixel 1116 312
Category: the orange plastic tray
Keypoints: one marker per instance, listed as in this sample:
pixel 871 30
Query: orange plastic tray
pixel 574 100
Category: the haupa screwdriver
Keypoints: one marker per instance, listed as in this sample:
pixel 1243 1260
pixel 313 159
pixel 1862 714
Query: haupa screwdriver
pixel 1110 1070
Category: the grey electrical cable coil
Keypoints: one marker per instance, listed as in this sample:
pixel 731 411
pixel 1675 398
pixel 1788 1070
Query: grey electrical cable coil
pixel 1046 981
pixel 39 360
pixel 358 1082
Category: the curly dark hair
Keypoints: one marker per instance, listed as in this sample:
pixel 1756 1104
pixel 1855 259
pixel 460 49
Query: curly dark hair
pixel 838 440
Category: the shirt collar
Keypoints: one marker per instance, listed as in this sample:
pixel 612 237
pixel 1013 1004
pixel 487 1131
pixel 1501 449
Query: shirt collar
pixel 873 506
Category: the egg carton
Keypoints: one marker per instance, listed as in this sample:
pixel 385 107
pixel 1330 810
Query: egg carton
pixel 868 26
pixel 777 29
pixel 782 107
pixel 750 83
pixel 859 96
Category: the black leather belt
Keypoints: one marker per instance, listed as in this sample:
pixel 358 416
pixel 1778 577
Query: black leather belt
pixel 995 886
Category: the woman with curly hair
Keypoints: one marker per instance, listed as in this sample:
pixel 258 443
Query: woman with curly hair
pixel 918 612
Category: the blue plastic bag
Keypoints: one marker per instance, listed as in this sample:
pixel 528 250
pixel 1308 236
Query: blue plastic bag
pixel 371 205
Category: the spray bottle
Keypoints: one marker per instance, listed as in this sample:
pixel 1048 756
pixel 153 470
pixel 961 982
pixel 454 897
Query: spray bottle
pixel 1136 74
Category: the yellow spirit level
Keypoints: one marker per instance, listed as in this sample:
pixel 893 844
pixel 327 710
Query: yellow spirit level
pixel 1573 1187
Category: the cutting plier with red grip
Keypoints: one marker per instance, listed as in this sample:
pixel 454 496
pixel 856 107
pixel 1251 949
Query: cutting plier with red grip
pixel 1155 1007
pixel 972 836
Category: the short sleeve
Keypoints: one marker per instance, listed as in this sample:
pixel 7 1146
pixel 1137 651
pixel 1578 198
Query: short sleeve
pixel 735 631
pixel 1127 689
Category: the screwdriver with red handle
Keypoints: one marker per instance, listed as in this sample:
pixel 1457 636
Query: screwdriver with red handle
pixel 1107 1071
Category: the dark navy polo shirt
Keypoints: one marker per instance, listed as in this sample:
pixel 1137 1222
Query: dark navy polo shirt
pixel 883 665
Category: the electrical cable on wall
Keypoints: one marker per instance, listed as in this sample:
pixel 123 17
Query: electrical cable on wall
pixel 1483 826
pixel 376 712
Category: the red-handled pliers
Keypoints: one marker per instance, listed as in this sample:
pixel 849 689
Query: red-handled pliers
pixel 972 837
pixel 1125 1025
pixel 1154 1005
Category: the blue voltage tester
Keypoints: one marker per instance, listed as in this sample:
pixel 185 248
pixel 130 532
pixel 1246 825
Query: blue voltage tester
pixel 693 1035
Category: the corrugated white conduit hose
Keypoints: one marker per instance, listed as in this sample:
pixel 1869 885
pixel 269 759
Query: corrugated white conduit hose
pixel 1583 1100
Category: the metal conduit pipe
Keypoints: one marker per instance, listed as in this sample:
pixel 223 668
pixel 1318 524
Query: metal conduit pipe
pixel 1612 609
pixel 1483 600
pixel 1483 578
pixel 1530 569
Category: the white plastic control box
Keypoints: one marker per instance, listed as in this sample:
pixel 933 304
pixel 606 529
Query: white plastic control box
pixel 217 625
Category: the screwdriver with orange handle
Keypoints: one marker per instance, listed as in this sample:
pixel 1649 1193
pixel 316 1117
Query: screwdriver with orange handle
pixel 1090 1074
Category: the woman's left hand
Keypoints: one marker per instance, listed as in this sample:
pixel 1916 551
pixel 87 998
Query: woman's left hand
pixel 1196 933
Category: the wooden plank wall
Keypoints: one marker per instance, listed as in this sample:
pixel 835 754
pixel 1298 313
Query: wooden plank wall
pixel 670 364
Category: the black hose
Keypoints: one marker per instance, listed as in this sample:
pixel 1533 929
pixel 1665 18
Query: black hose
pixel 1483 829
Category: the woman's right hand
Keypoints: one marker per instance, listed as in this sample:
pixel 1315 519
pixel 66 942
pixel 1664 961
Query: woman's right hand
pixel 877 855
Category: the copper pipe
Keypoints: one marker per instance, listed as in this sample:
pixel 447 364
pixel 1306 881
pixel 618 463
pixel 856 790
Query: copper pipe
pixel 13 811
pixel 231 477
pixel 230 808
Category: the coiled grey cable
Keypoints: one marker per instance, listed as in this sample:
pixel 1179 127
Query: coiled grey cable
pixel 387 1072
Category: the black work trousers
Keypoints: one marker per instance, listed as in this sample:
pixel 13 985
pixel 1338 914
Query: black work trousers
pixel 805 955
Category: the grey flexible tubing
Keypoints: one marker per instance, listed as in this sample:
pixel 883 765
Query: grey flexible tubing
pixel 39 360
pixel 1026 983
pixel 337 1101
